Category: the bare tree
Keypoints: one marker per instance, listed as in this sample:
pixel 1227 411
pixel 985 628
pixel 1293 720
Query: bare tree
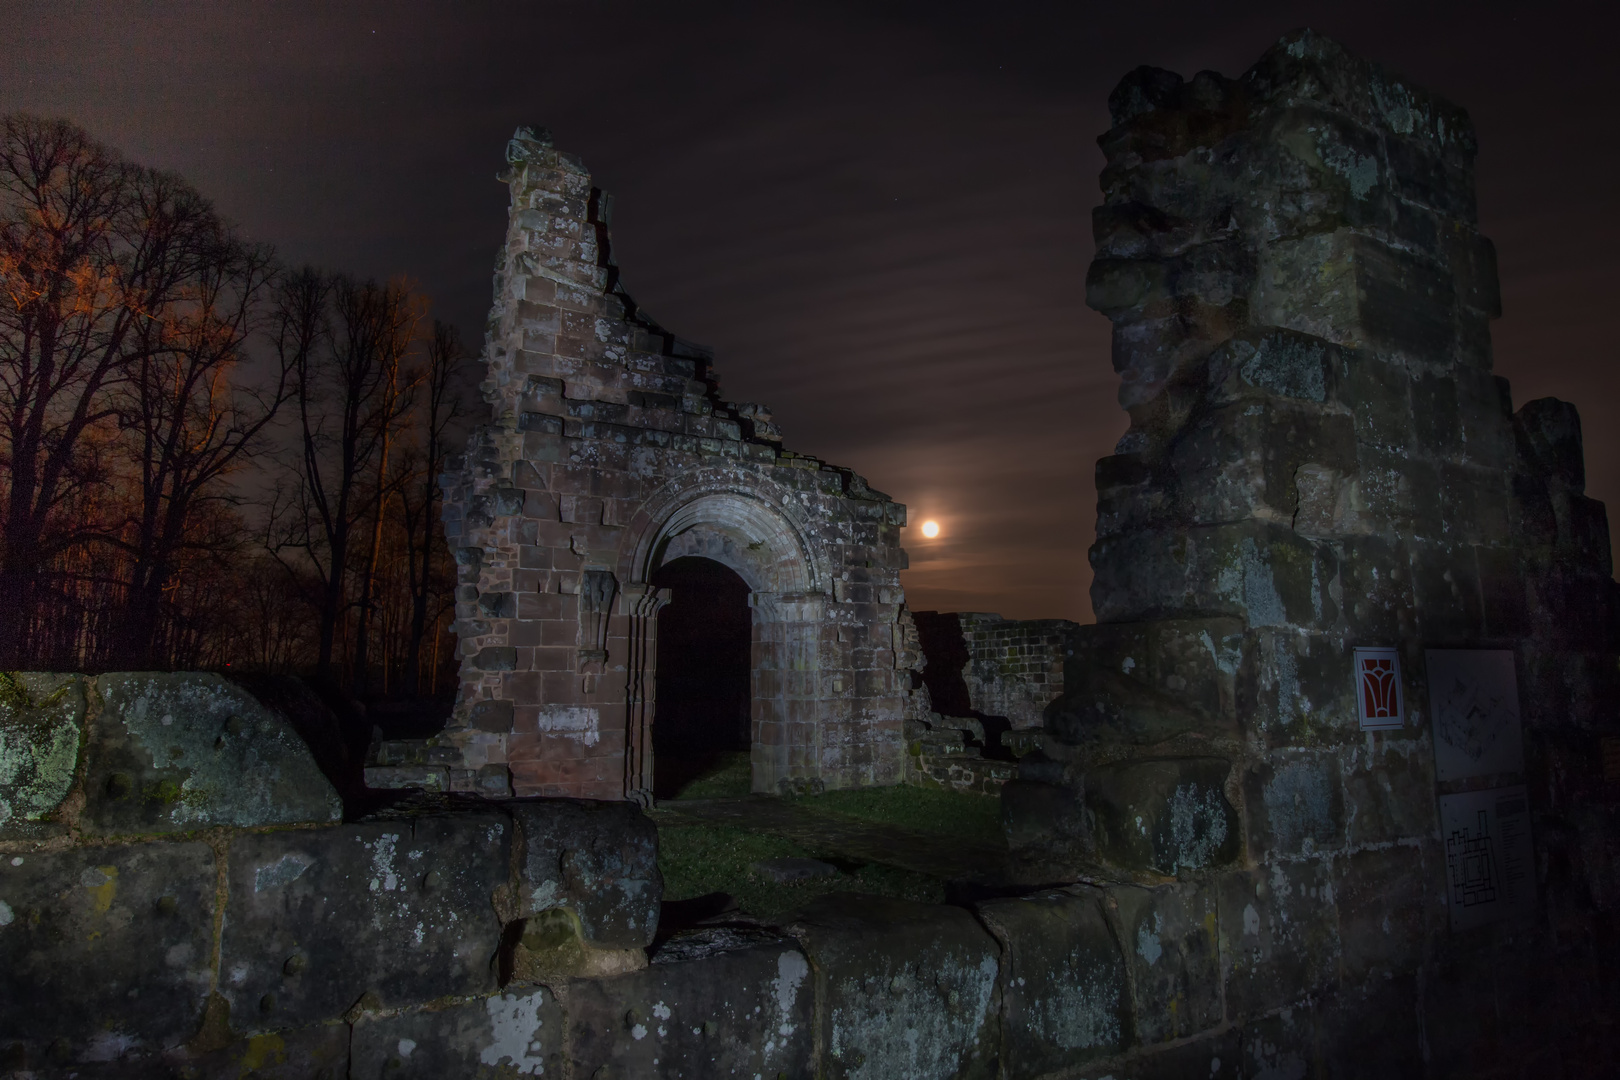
pixel 188 428
pixel 91 247
pixel 344 342
pixel 393 316
pixel 424 534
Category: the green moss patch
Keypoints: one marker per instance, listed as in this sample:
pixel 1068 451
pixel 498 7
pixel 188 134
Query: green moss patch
pixel 971 818
pixel 697 860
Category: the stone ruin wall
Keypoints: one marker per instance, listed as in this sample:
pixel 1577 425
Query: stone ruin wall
pixel 609 452
pixel 978 664
pixel 1319 458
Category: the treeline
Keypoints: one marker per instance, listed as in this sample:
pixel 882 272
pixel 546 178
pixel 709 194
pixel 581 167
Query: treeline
pixel 209 459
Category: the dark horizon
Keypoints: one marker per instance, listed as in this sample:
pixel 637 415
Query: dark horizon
pixel 878 218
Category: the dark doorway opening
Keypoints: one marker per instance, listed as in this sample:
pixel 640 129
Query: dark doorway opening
pixel 701 729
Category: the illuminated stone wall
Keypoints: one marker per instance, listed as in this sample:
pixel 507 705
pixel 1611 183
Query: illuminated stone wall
pixel 609 452
pixel 1320 460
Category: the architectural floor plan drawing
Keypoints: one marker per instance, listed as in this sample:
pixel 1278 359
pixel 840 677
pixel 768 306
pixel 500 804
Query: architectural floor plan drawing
pixel 1474 696
pixel 1489 862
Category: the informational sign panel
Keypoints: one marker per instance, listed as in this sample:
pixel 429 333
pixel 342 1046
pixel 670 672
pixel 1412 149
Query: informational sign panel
pixel 1474 697
pixel 1378 688
pixel 1490 865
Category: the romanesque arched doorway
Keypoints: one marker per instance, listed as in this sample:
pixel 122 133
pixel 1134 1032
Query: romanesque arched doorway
pixel 702 728
pixel 767 551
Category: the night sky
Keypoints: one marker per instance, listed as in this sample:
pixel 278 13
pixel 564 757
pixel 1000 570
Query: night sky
pixel 878 215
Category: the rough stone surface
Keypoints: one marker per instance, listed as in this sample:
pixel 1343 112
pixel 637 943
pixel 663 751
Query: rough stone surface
pixel 1318 458
pixel 320 1052
pixel 1213 1058
pixel 189 750
pixel 1166 816
pixel 902 989
pixel 980 664
pixel 610 451
pixel 402 909
pixel 599 861
pixel 1171 946
pixel 729 1007
pixel 105 952
pixel 1065 999
pixel 1279 935
pixel 41 727
pixel 520 1032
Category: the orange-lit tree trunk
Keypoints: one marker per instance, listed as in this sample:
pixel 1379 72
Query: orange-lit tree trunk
pixel 423 531
pixel 187 429
pixel 91 248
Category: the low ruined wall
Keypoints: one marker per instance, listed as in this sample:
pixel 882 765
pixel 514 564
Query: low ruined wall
pixel 213 933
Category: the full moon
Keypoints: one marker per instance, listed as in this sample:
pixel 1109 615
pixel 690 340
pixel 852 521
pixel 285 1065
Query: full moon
pixel 930 529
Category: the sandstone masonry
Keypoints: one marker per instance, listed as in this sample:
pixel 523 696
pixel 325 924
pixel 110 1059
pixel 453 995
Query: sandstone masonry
pixel 610 452
pixel 1320 459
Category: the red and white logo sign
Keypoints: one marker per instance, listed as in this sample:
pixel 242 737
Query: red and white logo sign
pixel 1378 688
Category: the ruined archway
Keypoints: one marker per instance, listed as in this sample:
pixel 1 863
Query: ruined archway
pixel 769 553
pixel 703 706
pixel 609 453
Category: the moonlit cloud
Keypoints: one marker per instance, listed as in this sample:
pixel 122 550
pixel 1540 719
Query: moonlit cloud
pixel 878 215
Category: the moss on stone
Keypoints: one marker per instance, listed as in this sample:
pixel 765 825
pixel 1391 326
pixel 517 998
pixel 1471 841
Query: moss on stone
pixel 697 860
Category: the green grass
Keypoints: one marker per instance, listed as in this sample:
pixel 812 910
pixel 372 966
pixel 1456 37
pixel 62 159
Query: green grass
pixel 697 860
pixel 728 776
pixel 973 818
pixel 700 859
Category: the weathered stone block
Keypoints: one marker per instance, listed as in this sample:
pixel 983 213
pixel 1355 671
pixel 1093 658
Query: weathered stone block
pixel 1283 1044
pixel 402 909
pixel 715 1003
pixel 1304 692
pixel 1064 996
pixel 108 949
pixel 1164 816
pixel 1375 577
pixel 1384 910
pixel 1295 805
pixel 1445 587
pixel 1036 814
pixel 320 1052
pixel 1171 946
pixel 1147 682
pixel 1389 791
pixel 1393 1008
pixel 522 1032
pixel 1263 572
pixel 191 750
pixel 1353 290
pixel 902 989
pixel 1214 1058
pixel 1279 935
pixel 1548 433
pixel 597 860
pixel 41 726
pixel 1268 361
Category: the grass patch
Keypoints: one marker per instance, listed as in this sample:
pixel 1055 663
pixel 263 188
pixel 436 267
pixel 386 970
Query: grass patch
pixel 700 859
pixel 722 776
pixel 973 818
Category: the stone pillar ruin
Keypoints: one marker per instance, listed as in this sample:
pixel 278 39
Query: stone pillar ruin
pixel 610 452
pixel 1319 459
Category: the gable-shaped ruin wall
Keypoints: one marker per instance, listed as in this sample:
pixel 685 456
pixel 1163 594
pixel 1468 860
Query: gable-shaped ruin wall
pixel 610 452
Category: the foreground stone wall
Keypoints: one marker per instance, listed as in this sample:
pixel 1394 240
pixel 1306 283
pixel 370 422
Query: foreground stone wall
pixel 215 935
pixel 1319 459
pixel 610 452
